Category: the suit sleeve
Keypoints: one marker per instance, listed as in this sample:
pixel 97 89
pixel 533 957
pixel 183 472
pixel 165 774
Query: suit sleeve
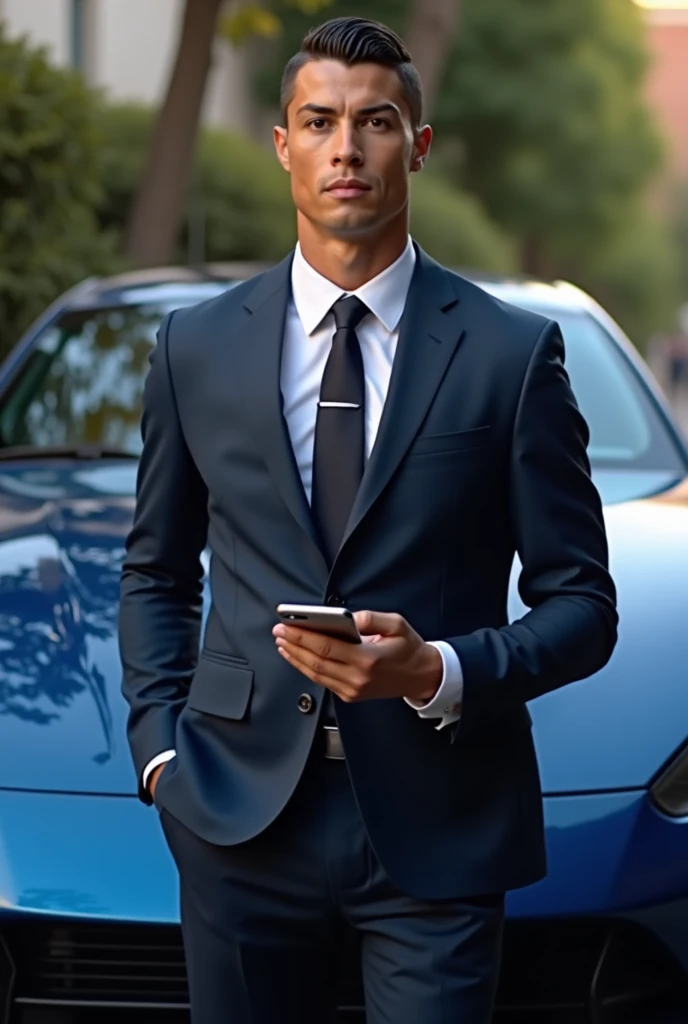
pixel 161 599
pixel 556 512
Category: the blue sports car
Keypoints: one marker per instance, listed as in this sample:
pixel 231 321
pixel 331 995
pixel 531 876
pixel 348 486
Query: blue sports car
pixel 88 892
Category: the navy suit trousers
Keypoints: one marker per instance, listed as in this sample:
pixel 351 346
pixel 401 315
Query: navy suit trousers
pixel 267 923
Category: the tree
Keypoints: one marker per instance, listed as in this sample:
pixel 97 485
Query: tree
pixel 158 207
pixel 49 183
pixel 237 190
pixel 430 35
pixel 634 274
pixel 544 99
pixel 541 115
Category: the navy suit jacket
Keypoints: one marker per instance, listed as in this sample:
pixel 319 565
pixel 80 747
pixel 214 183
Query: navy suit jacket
pixel 481 453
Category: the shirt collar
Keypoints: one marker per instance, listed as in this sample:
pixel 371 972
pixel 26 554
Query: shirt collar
pixel 384 295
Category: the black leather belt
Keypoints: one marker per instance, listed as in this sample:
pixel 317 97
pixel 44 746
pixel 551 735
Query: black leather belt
pixel 334 749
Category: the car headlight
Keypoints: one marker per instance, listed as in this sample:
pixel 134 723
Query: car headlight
pixel 670 791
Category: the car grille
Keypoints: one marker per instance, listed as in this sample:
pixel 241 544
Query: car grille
pixel 570 971
pixel 98 964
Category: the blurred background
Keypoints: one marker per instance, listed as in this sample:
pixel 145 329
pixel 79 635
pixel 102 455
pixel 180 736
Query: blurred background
pixel 138 133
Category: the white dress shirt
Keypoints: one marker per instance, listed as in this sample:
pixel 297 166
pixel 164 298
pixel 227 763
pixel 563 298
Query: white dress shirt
pixel 309 331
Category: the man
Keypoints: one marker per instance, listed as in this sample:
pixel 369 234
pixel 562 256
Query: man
pixel 357 427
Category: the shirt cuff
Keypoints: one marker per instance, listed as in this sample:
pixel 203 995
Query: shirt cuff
pixel 446 704
pixel 159 759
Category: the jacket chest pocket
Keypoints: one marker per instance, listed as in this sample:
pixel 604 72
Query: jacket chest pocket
pixel 449 444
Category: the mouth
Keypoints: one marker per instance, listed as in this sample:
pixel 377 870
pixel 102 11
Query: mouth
pixel 347 188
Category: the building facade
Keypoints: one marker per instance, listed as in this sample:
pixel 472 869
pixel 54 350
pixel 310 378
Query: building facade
pixel 126 47
pixel 667 83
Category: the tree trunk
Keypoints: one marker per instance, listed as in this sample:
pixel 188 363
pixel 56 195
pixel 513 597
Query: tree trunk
pixel 158 206
pixel 533 257
pixel 432 29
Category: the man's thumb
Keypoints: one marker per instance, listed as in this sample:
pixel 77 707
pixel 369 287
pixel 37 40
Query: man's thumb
pixel 382 623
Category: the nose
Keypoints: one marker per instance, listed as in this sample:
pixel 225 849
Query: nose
pixel 347 149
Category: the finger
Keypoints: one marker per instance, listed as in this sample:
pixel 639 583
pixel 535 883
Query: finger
pixel 325 673
pixel 319 669
pixel 325 647
pixel 382 623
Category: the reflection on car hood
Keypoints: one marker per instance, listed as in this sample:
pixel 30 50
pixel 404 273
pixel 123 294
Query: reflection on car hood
pixel 62 718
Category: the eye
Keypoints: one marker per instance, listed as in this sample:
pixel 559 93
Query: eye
pixel 377 123
pixel 318 123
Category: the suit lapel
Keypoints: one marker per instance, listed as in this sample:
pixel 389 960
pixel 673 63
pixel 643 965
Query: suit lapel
pixel 430 331
pixel 259 345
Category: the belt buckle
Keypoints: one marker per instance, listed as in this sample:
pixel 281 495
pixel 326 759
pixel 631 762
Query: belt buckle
pixel 334 749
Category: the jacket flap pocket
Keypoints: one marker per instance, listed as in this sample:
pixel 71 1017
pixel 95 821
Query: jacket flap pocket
pixel 222 689
pixel 431 444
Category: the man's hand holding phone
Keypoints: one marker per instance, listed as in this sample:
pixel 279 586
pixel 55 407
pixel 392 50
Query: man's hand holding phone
pixel 392 661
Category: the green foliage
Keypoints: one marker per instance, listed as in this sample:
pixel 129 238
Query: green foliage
pixel 634 274
pixel 253 18
pixel 545 98
pixel 243 195
pixel 248 20
pixel 453 228
pixel 49 183
pixel 238 191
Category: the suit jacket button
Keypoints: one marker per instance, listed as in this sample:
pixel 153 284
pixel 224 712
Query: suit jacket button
pixel 306 703
pixel 334 600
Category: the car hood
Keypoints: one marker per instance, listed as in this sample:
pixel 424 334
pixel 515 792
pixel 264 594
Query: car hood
pixel 617 728
pixel 63 719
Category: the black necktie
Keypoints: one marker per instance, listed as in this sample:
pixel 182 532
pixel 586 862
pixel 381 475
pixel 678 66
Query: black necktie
pixel 339 449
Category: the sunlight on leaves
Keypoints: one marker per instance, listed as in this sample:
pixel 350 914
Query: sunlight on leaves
pixel 249 20
pixel 253 19
pixel 308 6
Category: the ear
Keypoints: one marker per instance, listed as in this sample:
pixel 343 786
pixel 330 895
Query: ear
pixel 421 148
pixel 279 135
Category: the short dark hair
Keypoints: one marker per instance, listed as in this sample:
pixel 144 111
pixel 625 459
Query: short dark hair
pixel 356 41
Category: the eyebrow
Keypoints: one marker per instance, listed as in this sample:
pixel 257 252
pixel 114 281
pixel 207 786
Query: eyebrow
pixel 379 108
pixel 376 108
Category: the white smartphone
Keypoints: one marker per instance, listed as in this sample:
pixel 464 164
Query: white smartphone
pixel 335 622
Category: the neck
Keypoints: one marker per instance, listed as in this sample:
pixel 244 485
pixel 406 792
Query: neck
pixel 350 263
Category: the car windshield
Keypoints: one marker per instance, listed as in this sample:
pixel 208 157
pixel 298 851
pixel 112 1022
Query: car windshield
pixel 81 385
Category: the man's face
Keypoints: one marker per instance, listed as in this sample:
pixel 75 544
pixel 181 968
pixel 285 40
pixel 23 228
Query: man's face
pixel 349 147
